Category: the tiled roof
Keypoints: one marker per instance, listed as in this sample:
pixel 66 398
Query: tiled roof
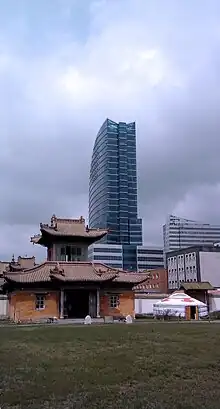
pixel 26 262
pixel 205 285
pixel 73 271
pixel 3 267
pixel 133 277
pixel 144 284
pixel 150 295
pixel 68 227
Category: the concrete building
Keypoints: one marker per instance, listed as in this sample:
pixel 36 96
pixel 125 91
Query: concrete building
pixel 179 233
pixel 193 264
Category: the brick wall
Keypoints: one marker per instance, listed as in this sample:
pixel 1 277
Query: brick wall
pixel 22 306
pixel 125 307
pixel 158 280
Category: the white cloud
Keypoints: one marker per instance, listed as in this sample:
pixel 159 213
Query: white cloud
pixel 136 63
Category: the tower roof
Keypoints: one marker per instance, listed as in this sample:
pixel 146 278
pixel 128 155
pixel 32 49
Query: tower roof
pixel 74 229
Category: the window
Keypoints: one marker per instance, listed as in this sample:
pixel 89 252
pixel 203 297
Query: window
pixel 40 302
pixel 113 301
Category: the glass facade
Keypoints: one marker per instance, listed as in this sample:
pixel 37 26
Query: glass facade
pixel 113 185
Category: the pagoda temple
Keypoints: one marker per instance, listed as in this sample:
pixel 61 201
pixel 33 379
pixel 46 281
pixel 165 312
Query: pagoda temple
pixel 67 285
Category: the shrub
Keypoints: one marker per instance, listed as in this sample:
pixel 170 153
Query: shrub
pixel 144 316
pixel 215 315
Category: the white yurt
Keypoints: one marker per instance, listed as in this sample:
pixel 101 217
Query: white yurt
pixel 182 305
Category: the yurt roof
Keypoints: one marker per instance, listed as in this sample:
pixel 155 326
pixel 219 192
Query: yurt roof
pixel 180 299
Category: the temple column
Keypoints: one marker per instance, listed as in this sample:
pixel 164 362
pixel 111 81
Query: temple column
pixel 98 304
pixel 61 303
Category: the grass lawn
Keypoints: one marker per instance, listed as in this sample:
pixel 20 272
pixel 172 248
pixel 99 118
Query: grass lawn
pixel 154 365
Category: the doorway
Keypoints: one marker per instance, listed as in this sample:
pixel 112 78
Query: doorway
pixel 193 312
pixel 76 303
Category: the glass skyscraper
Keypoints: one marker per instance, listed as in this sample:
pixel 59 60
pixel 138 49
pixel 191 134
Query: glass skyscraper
pixel 113 188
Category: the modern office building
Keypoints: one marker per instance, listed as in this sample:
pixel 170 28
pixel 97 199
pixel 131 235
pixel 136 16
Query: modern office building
pixel 179 233
pixel 149 257
pixel 193 264
pixel 109 254
pixel 144 257
pixel 113 189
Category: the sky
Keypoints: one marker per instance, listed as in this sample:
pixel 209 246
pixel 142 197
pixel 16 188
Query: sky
pixel 67 65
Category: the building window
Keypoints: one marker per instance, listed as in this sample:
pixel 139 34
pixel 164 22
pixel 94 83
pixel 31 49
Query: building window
pixel 114 301
pixel 40 302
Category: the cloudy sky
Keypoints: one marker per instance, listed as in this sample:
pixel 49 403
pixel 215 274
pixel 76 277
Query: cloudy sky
pixel 66 65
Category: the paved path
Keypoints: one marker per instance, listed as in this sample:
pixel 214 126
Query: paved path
pixel 79 324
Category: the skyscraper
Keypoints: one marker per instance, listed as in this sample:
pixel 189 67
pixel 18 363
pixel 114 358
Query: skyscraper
pixel 113 188
pixel 179 233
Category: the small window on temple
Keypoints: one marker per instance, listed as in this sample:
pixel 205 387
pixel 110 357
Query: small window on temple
pixel 113 301
pixel 40 302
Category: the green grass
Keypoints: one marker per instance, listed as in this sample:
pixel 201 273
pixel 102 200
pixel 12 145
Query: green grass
pixel 154 365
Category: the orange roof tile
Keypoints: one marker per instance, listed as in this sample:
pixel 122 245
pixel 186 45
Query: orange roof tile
pixel 73 271
pixel 68 227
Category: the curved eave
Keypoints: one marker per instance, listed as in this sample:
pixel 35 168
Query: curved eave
pixel 47 237
pixel 9 280
pixel 38 240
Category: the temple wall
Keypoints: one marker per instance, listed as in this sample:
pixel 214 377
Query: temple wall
pixel 22 306
pixel 125 306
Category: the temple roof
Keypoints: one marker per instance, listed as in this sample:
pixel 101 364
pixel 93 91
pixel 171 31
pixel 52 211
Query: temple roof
pixel 204 285
pixel 73 271
pixel 3 266
pixel 74 228
pixel 23 263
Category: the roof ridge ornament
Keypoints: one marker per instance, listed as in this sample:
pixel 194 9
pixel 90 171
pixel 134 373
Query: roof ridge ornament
pixel 58 269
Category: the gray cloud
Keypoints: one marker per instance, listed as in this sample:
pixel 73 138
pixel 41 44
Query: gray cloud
pixel 155 63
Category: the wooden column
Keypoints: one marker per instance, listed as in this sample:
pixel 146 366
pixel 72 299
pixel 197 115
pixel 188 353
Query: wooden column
pixel 61 303
pixel 98 303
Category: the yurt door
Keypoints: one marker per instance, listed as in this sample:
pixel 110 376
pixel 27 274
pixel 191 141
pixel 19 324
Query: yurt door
pixel 197 313
pixel 193 312
pixel 187 313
